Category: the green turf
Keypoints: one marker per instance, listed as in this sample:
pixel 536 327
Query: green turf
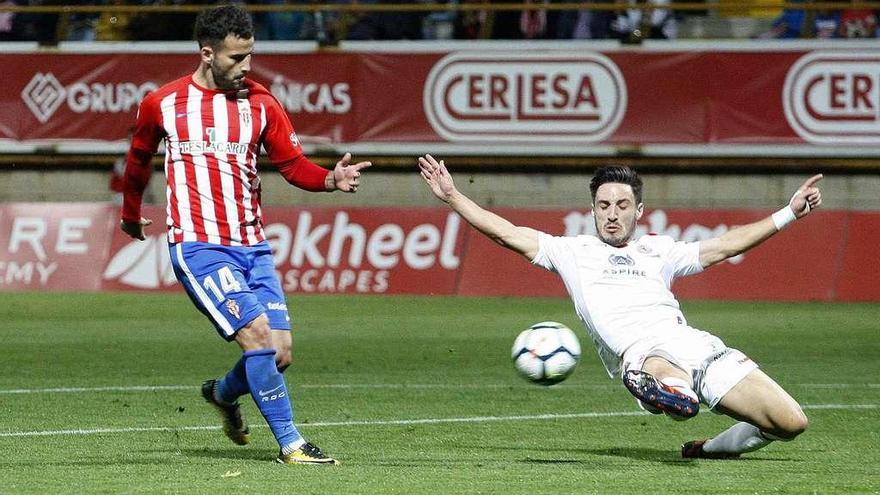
pixel 375 359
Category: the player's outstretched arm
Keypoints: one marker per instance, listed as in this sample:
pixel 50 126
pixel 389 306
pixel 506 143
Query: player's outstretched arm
pixel 345 176
pixel 740 239
pixel 522 240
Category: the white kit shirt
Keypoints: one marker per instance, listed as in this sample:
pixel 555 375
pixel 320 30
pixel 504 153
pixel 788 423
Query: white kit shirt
pixel 621 294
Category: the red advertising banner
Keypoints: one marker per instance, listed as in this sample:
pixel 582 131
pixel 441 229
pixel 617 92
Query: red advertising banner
pixel 827 257
pixel 54 246
pixel 510 99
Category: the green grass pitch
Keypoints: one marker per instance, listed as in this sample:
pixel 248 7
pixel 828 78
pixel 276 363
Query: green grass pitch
pixel 99 394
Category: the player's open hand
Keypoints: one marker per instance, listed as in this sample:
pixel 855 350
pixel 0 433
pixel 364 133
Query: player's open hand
pixel 437 177
pixel 135 230
pixel 807 197
pixel 347 176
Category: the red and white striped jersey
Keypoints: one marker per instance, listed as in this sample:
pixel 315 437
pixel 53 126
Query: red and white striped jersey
pixel 212 141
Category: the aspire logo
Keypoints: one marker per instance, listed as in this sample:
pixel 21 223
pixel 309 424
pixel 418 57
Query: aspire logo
pixel 834 97
pixel 525 97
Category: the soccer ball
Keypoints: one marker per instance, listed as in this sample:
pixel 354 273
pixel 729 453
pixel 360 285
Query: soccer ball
pixel 546 353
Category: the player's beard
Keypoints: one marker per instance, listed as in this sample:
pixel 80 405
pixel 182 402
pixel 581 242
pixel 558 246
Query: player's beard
pixel 625 233
pixel 223 81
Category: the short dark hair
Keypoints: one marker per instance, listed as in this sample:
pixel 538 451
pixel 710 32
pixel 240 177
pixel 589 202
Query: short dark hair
pixel 617 175
pixel 215 24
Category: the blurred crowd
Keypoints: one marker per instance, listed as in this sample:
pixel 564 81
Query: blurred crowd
pixel 626 22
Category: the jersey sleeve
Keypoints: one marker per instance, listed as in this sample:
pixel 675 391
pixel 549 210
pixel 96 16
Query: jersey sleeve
pixel 553 252
pixel 682 257
pixel 304 174
pixel 279 137
pixel 147 134
pixel 148 131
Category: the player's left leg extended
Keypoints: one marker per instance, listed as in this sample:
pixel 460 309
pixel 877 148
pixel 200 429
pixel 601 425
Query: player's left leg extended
pixel 263 280
pixel 766 413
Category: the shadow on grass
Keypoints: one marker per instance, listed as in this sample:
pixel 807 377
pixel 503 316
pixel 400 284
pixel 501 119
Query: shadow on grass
pixel 673 457
pixel 664 456
pixel 529 460
pixel 231 453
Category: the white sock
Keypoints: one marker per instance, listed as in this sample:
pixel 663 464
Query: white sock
pixel 293 446
pixel 739 438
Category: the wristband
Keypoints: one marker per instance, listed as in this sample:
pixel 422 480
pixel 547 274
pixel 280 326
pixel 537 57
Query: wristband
pixel 783 217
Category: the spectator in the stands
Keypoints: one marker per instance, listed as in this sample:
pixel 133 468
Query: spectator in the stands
pixel 858 22
pixel 80 26
pixel 7 32
pixel 390 25
pixel 35 26
pixel 474 24
pixel 826 24
pixel 789 24
pixel 280 25
pixel 582 24
pixel 635 24
pixel 164 26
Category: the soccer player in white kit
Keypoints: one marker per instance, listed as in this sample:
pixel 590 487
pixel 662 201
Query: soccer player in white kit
pixel 620 287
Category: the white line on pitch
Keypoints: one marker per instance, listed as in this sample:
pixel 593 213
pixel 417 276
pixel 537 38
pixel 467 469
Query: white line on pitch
pixel 402 386
pixel 387 422
pixel 841 406
pixel 379 422
pixel 840 385
pixel 73 390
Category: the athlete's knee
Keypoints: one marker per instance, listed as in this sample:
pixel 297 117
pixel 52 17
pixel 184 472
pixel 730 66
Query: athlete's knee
pixel 797 423
pixel 790 424
pixel 256 334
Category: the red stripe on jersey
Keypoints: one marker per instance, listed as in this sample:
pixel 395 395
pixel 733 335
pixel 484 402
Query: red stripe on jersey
pixel 173 212
pixel 171 192
pixel 238 196
pixel 252 173
pixel 210 120
pixel 234 137
pixel 192 186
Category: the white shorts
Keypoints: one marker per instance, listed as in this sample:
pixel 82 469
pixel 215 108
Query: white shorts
pixel 713 367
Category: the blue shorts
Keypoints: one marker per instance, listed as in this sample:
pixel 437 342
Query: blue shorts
pixel 231 285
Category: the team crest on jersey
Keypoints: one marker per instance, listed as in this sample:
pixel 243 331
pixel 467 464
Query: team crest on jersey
pixel 233 309
pixel 294 139
pixel 245 116
pixel 617 260
pixel 641 248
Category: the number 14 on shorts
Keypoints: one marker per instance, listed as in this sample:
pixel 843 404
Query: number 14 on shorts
pixel 227 284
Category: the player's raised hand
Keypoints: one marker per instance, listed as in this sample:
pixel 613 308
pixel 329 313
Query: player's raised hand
pixel 135 230
pixel 437 177
pixel 807 197
pixel 347 176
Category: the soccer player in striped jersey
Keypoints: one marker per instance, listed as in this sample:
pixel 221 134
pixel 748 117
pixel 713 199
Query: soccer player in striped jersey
pixel 213 123
pixel 620 287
